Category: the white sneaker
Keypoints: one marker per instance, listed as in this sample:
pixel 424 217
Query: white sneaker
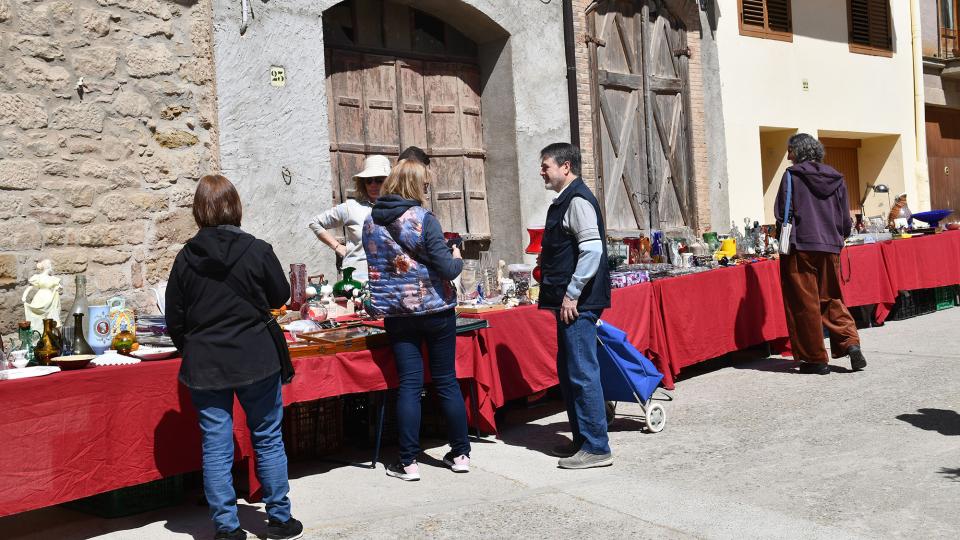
pixel 409 473
pixel 457 464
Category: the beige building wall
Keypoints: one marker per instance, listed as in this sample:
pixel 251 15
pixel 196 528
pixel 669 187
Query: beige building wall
pixel 815 85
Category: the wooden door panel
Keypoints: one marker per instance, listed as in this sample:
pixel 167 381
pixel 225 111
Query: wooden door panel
pixel 380 105
pixel 413 120
pixel 478 219
pixel 471 129
pixel 845 161
pixel 447 193
pixel 442 108
pixel 347 88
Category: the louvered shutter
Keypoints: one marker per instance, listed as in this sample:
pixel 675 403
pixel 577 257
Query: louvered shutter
pixel 765 18
pixel 870 24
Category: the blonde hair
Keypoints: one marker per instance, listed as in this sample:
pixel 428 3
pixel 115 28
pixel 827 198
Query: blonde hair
pixel 407 180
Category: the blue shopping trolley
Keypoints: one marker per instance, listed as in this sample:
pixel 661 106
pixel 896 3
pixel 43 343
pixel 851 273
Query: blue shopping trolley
pixel 627 375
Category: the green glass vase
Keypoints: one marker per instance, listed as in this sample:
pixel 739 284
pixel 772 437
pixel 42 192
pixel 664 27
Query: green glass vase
pixel 345 287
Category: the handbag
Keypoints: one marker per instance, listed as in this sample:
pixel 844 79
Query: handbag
pixel 273 329
pixel 787 228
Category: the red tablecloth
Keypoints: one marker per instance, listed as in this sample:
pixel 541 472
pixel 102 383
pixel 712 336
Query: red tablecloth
pixel 864 279
pixel 519 350
pixel 74 434
pixel 923 263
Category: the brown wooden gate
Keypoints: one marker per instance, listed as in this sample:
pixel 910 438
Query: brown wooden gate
pixel 639 61
pixel 382 104
pixel 943 158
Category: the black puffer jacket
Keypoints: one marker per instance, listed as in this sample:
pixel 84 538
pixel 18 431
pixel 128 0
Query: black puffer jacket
pixel 222 338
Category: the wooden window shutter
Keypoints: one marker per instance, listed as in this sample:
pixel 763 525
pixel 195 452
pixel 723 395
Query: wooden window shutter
pixel 766 18
pixel 869 22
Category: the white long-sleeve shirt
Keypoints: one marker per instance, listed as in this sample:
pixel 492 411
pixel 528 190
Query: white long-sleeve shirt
pixel 350 215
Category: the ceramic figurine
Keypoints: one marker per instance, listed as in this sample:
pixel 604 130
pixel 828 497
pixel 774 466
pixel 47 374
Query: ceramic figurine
pixel 45 303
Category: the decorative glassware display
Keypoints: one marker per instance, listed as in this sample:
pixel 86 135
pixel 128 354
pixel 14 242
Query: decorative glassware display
pixel 28 338
pixel 344 288
pixel 80 345
pixel 49 345
pixel 489 284
pixel 468 279
pixel 298 285
pixel 79 305
pixel 124 340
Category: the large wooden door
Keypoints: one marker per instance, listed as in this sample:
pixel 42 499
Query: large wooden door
pixel 639 59
pixel 943 158
pixel 842 155
pixel 382 104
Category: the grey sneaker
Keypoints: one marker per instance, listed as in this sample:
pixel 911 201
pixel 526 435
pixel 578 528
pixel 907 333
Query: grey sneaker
pixel 585 460
pixel 857 361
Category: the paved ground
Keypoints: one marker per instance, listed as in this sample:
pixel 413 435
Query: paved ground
pixel 751 450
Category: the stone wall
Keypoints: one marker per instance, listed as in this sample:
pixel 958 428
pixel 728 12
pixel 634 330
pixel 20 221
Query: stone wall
pixel 100 178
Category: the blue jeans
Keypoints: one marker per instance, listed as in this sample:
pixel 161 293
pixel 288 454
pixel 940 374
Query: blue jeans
pixel 407 334
pixel 579 374
pixel 263 405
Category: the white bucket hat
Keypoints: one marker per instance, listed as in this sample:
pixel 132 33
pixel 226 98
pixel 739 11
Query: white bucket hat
pixel 374 166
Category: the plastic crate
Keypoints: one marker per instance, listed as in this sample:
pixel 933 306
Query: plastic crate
pixel 313 428
pixel 132 500
pixel 946 297
pixel 913 303
pixel 360 413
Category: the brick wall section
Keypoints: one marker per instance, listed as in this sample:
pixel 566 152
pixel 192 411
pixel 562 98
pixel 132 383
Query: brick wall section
pixel 698 135
pixel 584 89
pixel 101 185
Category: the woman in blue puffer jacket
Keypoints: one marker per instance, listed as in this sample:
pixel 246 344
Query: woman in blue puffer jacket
pixel 411 269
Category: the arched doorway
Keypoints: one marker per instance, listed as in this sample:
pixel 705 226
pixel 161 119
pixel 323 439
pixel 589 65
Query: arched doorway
pixel 395 77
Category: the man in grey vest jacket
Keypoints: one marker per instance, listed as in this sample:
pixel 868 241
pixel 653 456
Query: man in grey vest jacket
pixel 575 284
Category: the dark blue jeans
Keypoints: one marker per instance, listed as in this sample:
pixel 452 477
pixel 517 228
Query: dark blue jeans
pixel 579 374
pixel 407 334
pixel 263 405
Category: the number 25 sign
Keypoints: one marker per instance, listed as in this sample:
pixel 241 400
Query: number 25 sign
pixel 278 77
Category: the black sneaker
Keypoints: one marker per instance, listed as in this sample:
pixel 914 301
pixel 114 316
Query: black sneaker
pixel 814 368
pixel 289 530
pixel 857 361
pixel 236 534
pixel 409 473
pixel 565 450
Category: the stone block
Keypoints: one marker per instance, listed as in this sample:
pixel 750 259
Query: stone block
pixel 20 235
pixel 104 234
pixel 95 21
pixel 68 260
pixel 171 112
pixel 58 168
pixel 44 200
pixel 16 174
pixel 175 138
pixel 111 256
pixel 157 269
pixel 10 206
pixel 84 216
pixel 79 144
pixel 62 12
pixel 96 62
pixel 175 228
pixel 153 27
pixel 95 169
pixel 149 61
pixel 22 110
pixel 51 216
pixel 115 149
pixel 84 117
pixel 8 270
pixel 150 7
pixel 132 104
pixel 35 22
pixel 43 148
pixel 111 278
pixel 79 194
pixel 40 47
pixel 6 11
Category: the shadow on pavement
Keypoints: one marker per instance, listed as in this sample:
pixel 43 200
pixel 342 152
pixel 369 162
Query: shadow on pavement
pixel 952 474
pixel 942 421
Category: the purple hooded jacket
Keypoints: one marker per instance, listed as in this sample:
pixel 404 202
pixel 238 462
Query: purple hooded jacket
pixel 820 209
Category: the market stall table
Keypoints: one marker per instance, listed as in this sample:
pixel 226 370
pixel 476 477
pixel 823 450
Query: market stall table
pixel 78 433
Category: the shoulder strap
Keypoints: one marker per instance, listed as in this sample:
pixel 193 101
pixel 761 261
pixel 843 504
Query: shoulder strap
pixel 786 204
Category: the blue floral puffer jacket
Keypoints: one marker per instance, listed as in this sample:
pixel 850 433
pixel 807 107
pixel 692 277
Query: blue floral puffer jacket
pixel 410 265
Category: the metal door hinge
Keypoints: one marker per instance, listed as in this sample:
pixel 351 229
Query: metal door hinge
pixel 589 38
pixel 682 52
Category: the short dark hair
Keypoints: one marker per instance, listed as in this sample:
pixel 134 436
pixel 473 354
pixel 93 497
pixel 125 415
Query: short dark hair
pixel 216 202
pixel 562 152
pixel 416 154
pixel 805 148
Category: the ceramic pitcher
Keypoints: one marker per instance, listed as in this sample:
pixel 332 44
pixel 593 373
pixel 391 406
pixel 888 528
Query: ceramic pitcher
pixel 99 331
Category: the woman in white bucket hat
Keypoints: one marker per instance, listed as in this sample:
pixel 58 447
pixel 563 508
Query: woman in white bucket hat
pixel 351 214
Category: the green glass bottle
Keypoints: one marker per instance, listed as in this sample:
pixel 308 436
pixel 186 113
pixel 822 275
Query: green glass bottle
pixel 344 288
pixel 80 345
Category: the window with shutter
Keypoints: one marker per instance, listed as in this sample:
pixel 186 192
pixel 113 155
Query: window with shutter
pixel 769 19
pixel 870 27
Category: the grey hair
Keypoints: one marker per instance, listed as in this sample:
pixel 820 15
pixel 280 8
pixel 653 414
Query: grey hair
pixel 805 148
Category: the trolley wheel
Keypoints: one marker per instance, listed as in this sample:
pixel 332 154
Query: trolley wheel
pixel 656 418
pixel 611 407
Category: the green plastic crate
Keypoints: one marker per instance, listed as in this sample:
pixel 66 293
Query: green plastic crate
pixel 946 297
pixel 132 500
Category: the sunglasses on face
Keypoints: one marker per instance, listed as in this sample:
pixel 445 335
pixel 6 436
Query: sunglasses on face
pixel 369 181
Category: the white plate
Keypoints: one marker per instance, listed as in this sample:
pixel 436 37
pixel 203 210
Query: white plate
pixel 25 372
pixel 154 353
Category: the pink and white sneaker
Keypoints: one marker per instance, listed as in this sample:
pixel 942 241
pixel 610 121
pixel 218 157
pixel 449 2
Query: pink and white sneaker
pixel 457 464
pixel 409 473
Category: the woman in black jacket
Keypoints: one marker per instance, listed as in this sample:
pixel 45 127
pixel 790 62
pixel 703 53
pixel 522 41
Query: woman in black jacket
pixel 227 350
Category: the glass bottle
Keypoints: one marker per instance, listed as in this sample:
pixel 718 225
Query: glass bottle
pixel 79 305
pixel 344 288
pixel 28 338
pixel 49 345
pixel 298 285
pixel 124 340
pixel 80 345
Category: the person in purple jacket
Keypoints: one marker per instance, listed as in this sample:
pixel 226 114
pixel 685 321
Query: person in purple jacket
pixel 819 211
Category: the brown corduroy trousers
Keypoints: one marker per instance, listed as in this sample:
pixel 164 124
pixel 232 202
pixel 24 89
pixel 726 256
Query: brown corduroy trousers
pixel 812 299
